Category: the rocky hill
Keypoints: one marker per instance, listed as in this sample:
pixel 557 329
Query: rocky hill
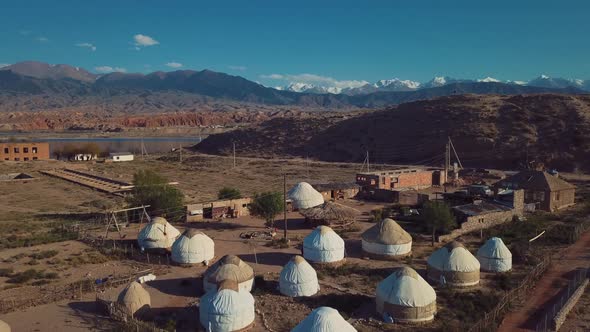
pixel 487 131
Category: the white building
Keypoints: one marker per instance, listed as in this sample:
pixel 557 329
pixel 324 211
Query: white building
pixel 84 157
pixel 121 156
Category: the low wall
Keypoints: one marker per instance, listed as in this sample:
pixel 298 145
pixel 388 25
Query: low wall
pixel 473 224
pixel 560 317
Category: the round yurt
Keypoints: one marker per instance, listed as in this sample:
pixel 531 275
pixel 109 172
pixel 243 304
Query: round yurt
pixel 494 256
pixel 453 265
pixel 386 240
pixel 304 196
pixel 298 278
pixel 227 309
pixel 405 297
pixel 136 299
pixel 4 327
pixel 193 247
pixel 229 267
pixel 324 319
pixel 330 214
pixel 157 235
pixel 323 246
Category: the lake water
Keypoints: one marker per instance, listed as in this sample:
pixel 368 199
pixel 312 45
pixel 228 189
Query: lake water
pixel 125 144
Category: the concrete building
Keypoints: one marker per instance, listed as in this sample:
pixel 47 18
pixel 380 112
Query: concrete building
pixel 546 191
pixel 121 156
pixel 413 178
pixel 232 208
pixel 335 191
pixel 24 151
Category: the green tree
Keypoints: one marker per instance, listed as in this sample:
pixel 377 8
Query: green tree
pixel 151 188
pixel 438 216
pixel 229 193
pixel 267 206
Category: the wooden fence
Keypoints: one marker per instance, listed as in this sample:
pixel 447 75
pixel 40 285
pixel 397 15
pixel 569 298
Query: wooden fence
pixel 490 320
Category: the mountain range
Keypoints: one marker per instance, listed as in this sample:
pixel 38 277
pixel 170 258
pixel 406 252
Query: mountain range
pixel 66 86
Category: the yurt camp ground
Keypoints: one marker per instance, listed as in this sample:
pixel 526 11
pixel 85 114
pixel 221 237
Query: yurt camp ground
pixel 47 300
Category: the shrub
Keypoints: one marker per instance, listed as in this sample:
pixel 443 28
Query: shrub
pixel 229 193
pixel 44 254
pixel 6 272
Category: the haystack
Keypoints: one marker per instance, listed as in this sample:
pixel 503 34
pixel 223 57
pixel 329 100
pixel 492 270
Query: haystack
pixel 494 256
pixel 387 239
pixel 453 265
pixel 304 196
pixel 323 246
pixel 227 309
pixel 136 299
pixel 405 297
pixel 298 278
pixel 330 214
pixel 157 235
pixel 193 247
pixel 229 267
pixel 324 319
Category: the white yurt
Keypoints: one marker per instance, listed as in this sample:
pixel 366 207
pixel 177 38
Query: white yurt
pixel 158 234
pixel 494 256
pixel 193 247
pixel 387 239
pixel 304 196
pixel 4 327
pixel 453 265
pixel 323 246
pixel 229 267
pixel 136 299
pixel 405 297
pixel 324 319
pixel 298 278
pixel 227 309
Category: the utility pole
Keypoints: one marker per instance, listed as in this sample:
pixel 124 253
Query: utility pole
pixel 234 146
pixel 447 162
pixel 285 204
pixel 368 167
pixel 180 152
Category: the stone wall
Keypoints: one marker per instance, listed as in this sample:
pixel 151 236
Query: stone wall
pixel 475 223
pixel 560 317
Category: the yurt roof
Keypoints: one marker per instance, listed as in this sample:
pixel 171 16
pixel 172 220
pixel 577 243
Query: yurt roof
pixel 304 196
pixel 453 257
pixel 4 327
pixel 298 259
pixel 298 270
pixel 191 232
pixel 494 248
pixel 387 232
pixel 230 267
pixel 407 288
pixel 324 238
pixel 134 296
pixel 159 220
pixel 330 211
pixel 324 319
pixel 229 284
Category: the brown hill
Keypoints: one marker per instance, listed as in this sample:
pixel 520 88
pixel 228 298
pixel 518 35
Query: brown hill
pixel 488 131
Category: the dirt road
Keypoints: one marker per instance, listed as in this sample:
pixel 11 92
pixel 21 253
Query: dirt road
pixel 548 288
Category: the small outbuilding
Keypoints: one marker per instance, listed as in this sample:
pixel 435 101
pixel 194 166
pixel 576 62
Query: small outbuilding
pixel 324 319
pixel 453 265
pixel 494 256
pixel 298 278
pixel 227 309
pixel 229 267
pixel 330 214
pixel 193 247
pixel 303 196
pixel 4 327
pixel 136 299
pixel 157 235
pixel 120 156
pixel 386 240
pixel 323 246
pixel 405 297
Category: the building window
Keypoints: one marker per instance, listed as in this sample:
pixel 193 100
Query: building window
pixel 557 195
pixel 35 158
pixel 6 150
pixel 16 159
pixel 16 150
pixel 34 150
pixel 6 159
pixel 383 180
pixel 25 150
pixel 26 159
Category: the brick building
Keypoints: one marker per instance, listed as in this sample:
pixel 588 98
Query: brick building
pixel 231 208
pixel 407 178
pixel 548 192
pixel 24 151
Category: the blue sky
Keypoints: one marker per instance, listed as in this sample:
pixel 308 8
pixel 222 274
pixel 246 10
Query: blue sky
pixel 334 42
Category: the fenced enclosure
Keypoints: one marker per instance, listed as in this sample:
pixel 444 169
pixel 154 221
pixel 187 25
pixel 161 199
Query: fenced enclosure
pixel 547 321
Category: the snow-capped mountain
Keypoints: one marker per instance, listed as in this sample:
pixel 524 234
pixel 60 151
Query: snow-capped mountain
pixel 489 80
pixel 396 84
pixel 442 80
pixel 310 88
pixel 545 81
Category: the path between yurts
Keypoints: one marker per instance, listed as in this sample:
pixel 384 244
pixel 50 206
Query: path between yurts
pixel 541 298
